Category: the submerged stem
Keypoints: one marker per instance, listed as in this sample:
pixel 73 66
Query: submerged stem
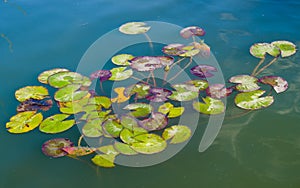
pixel 257 66
pixel 10 44
pixel 191 60
pixel 79 141
pixel 266 66
pixel 153 78
pixel 149 40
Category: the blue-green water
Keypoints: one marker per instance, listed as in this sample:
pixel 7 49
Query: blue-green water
pixel 261 149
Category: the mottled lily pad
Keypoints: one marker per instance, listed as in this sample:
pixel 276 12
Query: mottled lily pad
pixel 56 124
pixel 70 93
pixel 34 105
pixel 31 92
pixel 203 71
pixel 53 148
pixel 146 63
pixel 128 136
pixel 149 144
pixel 139 109
pixel 78 151
pixel 120 73
pixel 104 160
pixel 24 122
pixel 133 28
pixel 43 77
pixel 279 84
pixel 121 95
pixel 199 84
pixel 157 121
pixel 62 79
pixel 128 122
pixel 253 100
pixel 218 91
pixel 203 48
pixel 158 94
pixel 245 83
pixel 93 128
pixel 260 50
pixel 124 149
pixel 286 48
pixel 184 92
pixel 192 31
pixel 103 101
pixel 112 127
pixel 173 49
pixel 102 75
pixel 189 51
pixel 171 111
pixel 73 107
pixel 141 90
pixel 177 134
pixel 108 149
pixel 210 106
pixel 122 59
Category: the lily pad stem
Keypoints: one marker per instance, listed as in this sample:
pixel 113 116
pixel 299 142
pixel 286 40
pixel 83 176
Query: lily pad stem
pixel 149 40
pixel 135 78
pixel 79 140
pixel 257 66
pixel 153 78
pixel 191 60
pixel 10 45
pixel 266 66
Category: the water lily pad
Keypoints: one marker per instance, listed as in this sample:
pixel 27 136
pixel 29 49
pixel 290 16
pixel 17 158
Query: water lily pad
pixel 121 95
pixel 189 51
pixel 146 63
pixel 92 128
pixel 43 77
pixel 122 59
pixel 78 151
pixel 210 106
pixel 168 108
pixel 124 149
pixel 279 84
pixel 286 48
pixel 245 83
pixel 177 134
pixel 133 28
pixel 70 93
pixel 120 73
pixel 260 50
pixel 108 149
pixel 34 105
pixel 184 92
pixel 103 101
pixel 203 71
pixel 157 121
pixel 74 107
pixel 62 79
pixel 128 136
pixel 53 148
pixel 218 91
pixel 158 94
pixel 104 160
pixel 24 122
pixel 149 144
pixel 141 90
pixel 203 48
pixel 173 49
pixel 56 124
pixel 102 75
pixel 112 127
pixel 128 122
pixel 199 84
pixel 31 92
pixel 192 31
pixel 253 100
pixel 139 109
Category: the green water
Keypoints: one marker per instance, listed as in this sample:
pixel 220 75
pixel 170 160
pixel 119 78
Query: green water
pixel 261 149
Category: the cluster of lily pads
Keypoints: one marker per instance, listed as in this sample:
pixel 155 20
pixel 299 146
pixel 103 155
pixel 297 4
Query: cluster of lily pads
pixel 143 129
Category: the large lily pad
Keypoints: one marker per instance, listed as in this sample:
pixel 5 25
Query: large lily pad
pixel 120 73
pixel 56 124
pixel 133 28
pixel 31 92
pixel 260 50
pixel 128 122
pixel 34 105
pixel 124 149
pixel 245 83
pixel 253 100
pixel 24 122
pixel 177 134
pixel 170 110
pixel 102 75
pixel 184 92
pixel 43 77
pixel 158 94
pixel 62 79
pixel 192 31
pixel 112 127
pixel 53 148
pixel 121 95
pixel 203 71
pixel 104 160
pixel 103 101
pixel 279 84
pixel 93 128
pixel 70 93
pixel 218 91
pixel 209 106
pixel 157 121
pixel 149 144
pixel 141 90
pixel 139 109
pixel 78 151
pixel 286 48
pixel 122 59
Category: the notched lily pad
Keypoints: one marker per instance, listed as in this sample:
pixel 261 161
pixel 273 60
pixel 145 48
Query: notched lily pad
pixel 102 75
pixel 24 122
pixel 149 144
pixel 34 105
pixel 171 111
pixel 128 135
pixel 43 77
pixel 177 134
pixel 140 90
pixel 121 95
pixel 62 79
pixel 139 109
pixel 157 121
pixel 192 31
pixel 203 71
pixel 104 160
pixel 103 101
pixel 56 124
pixel 173 49
pixel 122 59
pixel 120 73
pixel 184 92
pixel 158 94
pixel 279 84
pixel 210 106
pixel 287 48
pixel 199 84
pixel 70 93
pixel 253 100
pixel 112 127
pixel 128 122
pixel 31 92
pixel 133 28
pixel 53 148
pixel 146 63
pixel 245 83
pixel 93 128
pixel 108 149
pixel 260 50
pixel 218 91
pixel 124 149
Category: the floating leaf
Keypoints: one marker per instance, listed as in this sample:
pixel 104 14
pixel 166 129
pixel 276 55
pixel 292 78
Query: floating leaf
pixel 184 92
pixel 203 48
pixel 245 83
pixel 210 106
pixel 120 73
pixel 128 122
pixel 102 75
pixel 252 100
pixel 70 93
pixel 173 49
pixel 63 79
pixel 24 122
pixel 43 77
pixel 140 89
pixel 73 107
pixel 31 92
pixel 158 94
pixel 279 84
pixel 78 151
pixel 199 84
pixel 172 111
pixel 34 105
pixel 203 71
pixel 260 50
pixel 132 28
pixel 165 108
pixel 139 109
pixel 157 121
pixel 128 136
pixel 149 144
pixel 104 160
pixel 108 149
pixel 124 149
pixel 189 51
pixel 53 148
pixel 122 59
pixel 146 63
pixel 56 124
pixel 177 134
pixel 121 96
pixel 286 48
pixel 103 101
pixel 218 91
pixel 192 31
pixel 93 128
pixel 112 127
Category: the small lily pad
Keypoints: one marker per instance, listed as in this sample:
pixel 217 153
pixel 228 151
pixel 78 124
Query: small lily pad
pixel 189 51
pixel 157 121
pixel 34 105
pixel 192 31
pixel 210 106
pixel 104 160
pixel 141 90
pixel 121 95
pixel 253 100
pixel 108 149
pixel 73 107
pixel 56 124
pixel 128 122
pixel 102 75
pixel 199 84
pixel 128 136
pixel 53 148
pixel 120 73
pixel 31 92
pixel 173 49
pixel 203 71
pixel 279 84
pixel 103 101
pixel 133 28
pixel 24 122
pixel 146 63
pixel 122 59
pixel 93 128
pixel 184 92
pixel 158 94
pixel 245 83
pixel 43 77
pixel 260 50
pixel 286 48
pixel 218 91
pixel 139 109
pixel 78 151
pixel 112 127
pixel 172 111
pixel 177 134
pixel 62 79
pixel 149 144
pixel 124 149
pixel 203 48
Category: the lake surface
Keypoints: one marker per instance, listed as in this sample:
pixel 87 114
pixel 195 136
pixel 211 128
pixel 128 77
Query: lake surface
pixel 260 149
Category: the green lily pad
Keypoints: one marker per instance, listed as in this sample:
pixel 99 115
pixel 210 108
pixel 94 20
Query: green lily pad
pixel 128 136
pixel 141 90
pixel 210 106
pixel 260 50
pixel 120 73
pixel 149 144
pixel 70 93
pixel 245 83
pixel 53 148
pixel 139 109
pixel 78 151
pixel 133 28
pixel 122 59
pixel 105 102
pixel 189 52
pixel 200 84
pixel 93 128
pixel 31 92
pixel 108 149
pixel 184 92
pixel 104 160
pixel 128 122
pixel 112 127
pixel 74 107
pixel 168 108
pixel 56 124
pixel 62 79
pixel 287 48
pixel 124 149
pixel 253 100
pixel 177 134
pixel 43 77
pixel 24 122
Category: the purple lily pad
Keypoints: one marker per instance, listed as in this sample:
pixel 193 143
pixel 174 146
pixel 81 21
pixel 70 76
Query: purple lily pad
pixel 157 121
pixel 34 105
pixel 166 60
pixel 54 148
pixel 203 71
pixel 101 74
pixel 279 84
pixel 192 31
pixel 158 95
pixel 173 49
pixel 218 91
pixel 150 63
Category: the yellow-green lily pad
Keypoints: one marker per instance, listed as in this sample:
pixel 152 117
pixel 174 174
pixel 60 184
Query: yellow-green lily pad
pixel 210 106
pixel 128 122
pixel 112 127
pixel 128 136
pixel 92 128
pixel 24 122
pixel 253 100
pixel 168 108
pixel 122 59
pixel 56 124
pixel 177 134
pixel 43 77
pixel 260 50
pixel 70 93
pixel 286 48
pixel 133 28
pixel 124 149
pixel 62 79
pixel 120 73
pixel 104 160
pixel 108 149
pixel 245 83
pixel 149 144
pixel 31 92
pixel 139 109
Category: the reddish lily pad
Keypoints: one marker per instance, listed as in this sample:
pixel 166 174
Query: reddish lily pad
pixel 203 71
pixel 218 91
pixel 173 49
pixel 203 48
pixel 158 94
pixel 54 148
pixel 146 63
pixel 157 121
pixel 78 151
pixel 102 75
pixel 192 31
pixel 34 105
pixel 245 83
pixel 279 84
